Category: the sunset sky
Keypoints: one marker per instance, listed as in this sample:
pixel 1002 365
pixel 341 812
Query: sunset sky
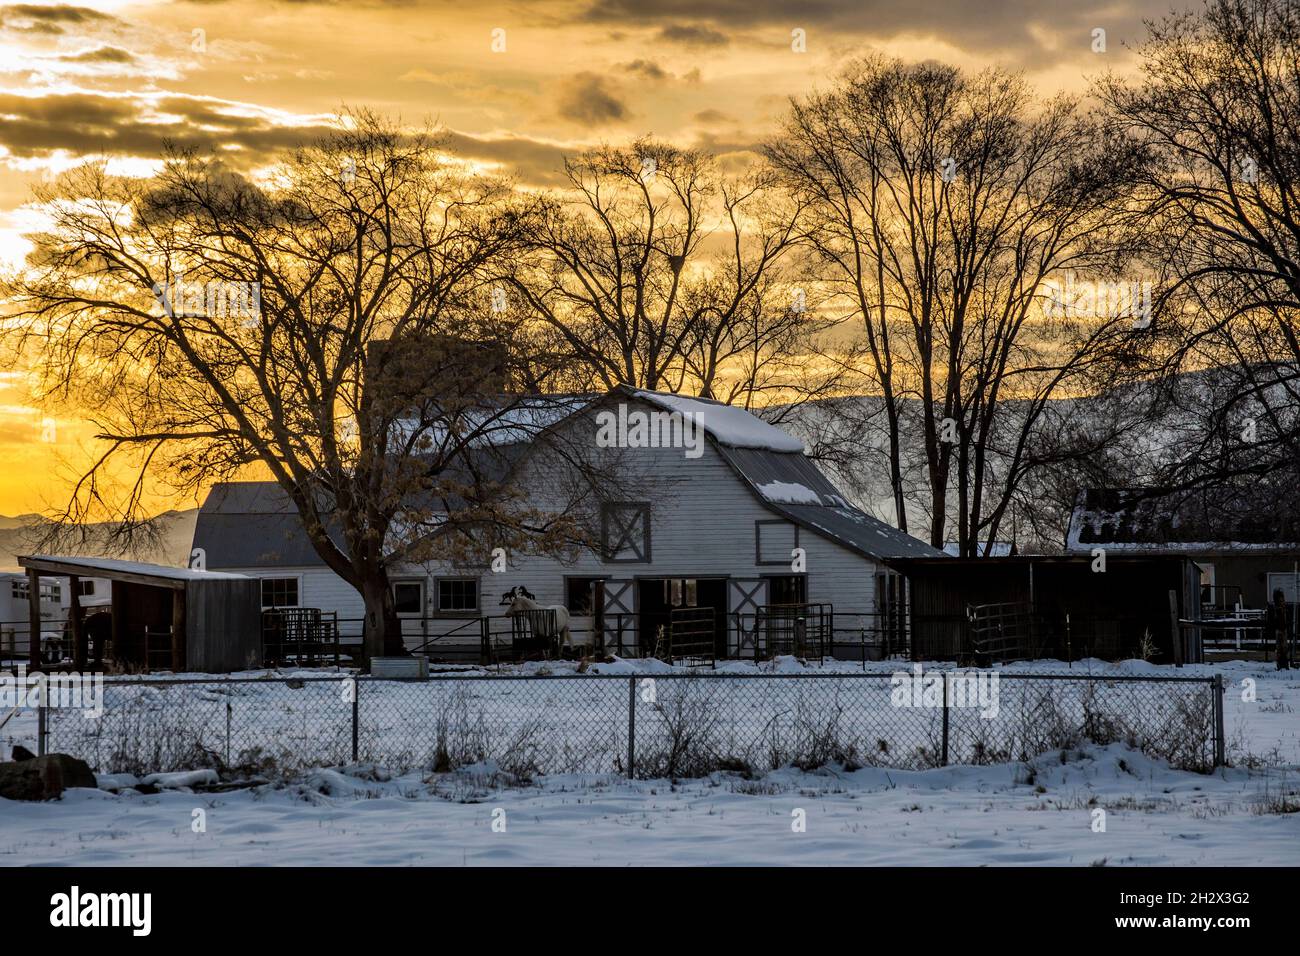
pixel 516 85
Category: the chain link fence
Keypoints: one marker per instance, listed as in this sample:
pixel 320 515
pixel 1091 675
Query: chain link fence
pixel 679 725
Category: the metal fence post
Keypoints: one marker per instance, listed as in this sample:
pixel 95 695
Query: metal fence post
pixel 1217 685
pixel 943 762
pixel 356 710
pixel 41 729
pixel 631 728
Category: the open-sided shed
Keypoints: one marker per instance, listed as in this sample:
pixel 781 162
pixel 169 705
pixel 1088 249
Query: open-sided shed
pixel 1061 605
pixel 205 621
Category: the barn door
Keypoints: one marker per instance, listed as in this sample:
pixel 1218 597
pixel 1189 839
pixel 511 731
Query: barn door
pixel 746 596
pixel 619 618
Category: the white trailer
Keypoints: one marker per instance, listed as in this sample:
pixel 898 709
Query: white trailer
pixel 15 615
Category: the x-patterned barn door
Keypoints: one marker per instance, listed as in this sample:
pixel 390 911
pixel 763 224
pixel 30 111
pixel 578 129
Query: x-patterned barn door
pixel 620 616
pixel 747 596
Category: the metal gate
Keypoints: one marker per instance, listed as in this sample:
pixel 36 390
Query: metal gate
pixel 691 637
pixel 999 632
pixel 801 630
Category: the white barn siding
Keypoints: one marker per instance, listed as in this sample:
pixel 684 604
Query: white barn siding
pixel 704 525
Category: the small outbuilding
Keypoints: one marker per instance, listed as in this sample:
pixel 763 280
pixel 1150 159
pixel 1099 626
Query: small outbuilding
pixel 1062 606
pixel 1246 546
pixel 179 619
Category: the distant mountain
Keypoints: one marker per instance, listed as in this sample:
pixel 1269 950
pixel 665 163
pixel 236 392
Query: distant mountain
pixel 21 535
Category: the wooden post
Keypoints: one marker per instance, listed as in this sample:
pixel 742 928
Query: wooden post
pixel 1178 631
pixel 75 624
pixel 116 631
pixel 34 619
pixel 178 630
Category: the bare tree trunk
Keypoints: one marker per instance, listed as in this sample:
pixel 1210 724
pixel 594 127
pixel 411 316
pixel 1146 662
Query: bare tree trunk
pixel 383 628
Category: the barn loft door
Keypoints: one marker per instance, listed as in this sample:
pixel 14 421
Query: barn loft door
pixel 746 596
pixel 619 616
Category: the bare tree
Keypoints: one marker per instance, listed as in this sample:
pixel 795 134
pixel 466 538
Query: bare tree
pixel 329 327
pixel 1215 110
pixel 938 207
pixel 657 271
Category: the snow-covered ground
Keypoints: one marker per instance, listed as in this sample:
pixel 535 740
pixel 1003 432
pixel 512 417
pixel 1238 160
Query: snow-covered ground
pixel 1040 812
pixel 1043 814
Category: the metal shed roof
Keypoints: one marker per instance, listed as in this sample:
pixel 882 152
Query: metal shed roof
pixel 158 575
pixel 1203 519
pixel 791 485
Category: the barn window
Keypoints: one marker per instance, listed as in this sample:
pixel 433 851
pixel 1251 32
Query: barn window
pixel 579 594
pixel 408 598
pixel 458 594
pixel 787 589
pixel 625 532
pixel 680 592
pixel 774 540
pixel 279 592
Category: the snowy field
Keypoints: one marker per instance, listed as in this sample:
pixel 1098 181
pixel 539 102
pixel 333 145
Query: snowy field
pixel 946 817
pixel 1041 811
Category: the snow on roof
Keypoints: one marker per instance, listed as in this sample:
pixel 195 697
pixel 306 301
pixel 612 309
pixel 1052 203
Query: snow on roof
pixel 1210 519
pixel 789 492
pixel 519 419
pixel 726 424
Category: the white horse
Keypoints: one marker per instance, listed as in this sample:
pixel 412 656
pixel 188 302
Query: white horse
pixel 520 600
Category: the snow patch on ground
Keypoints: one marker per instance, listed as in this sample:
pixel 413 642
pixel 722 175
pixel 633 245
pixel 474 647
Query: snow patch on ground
pixel 180 779
pixel 1041 814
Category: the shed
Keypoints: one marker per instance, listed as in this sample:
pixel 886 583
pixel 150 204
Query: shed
pixel 1246 541
pixel 185 619
pixel 1061 605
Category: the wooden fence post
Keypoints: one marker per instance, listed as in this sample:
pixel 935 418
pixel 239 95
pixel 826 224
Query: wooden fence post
pixel 178 630
pixel 33 620
pixel 76 625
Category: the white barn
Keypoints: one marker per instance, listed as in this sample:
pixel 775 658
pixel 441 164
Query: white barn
pixel 725 537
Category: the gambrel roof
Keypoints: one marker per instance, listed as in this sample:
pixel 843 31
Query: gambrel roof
pixel 254 524
pixel 791 485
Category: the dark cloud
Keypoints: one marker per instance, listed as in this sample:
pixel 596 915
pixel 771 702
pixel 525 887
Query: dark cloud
pixel 590 98
pixel 645 69
pixel 36 18
pixel 1013 28
pixel 88 124
pixel 534 162
pixel 713 116
pixel 103 54
pixel 652 72
pixel 693 35
pixel 740 13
